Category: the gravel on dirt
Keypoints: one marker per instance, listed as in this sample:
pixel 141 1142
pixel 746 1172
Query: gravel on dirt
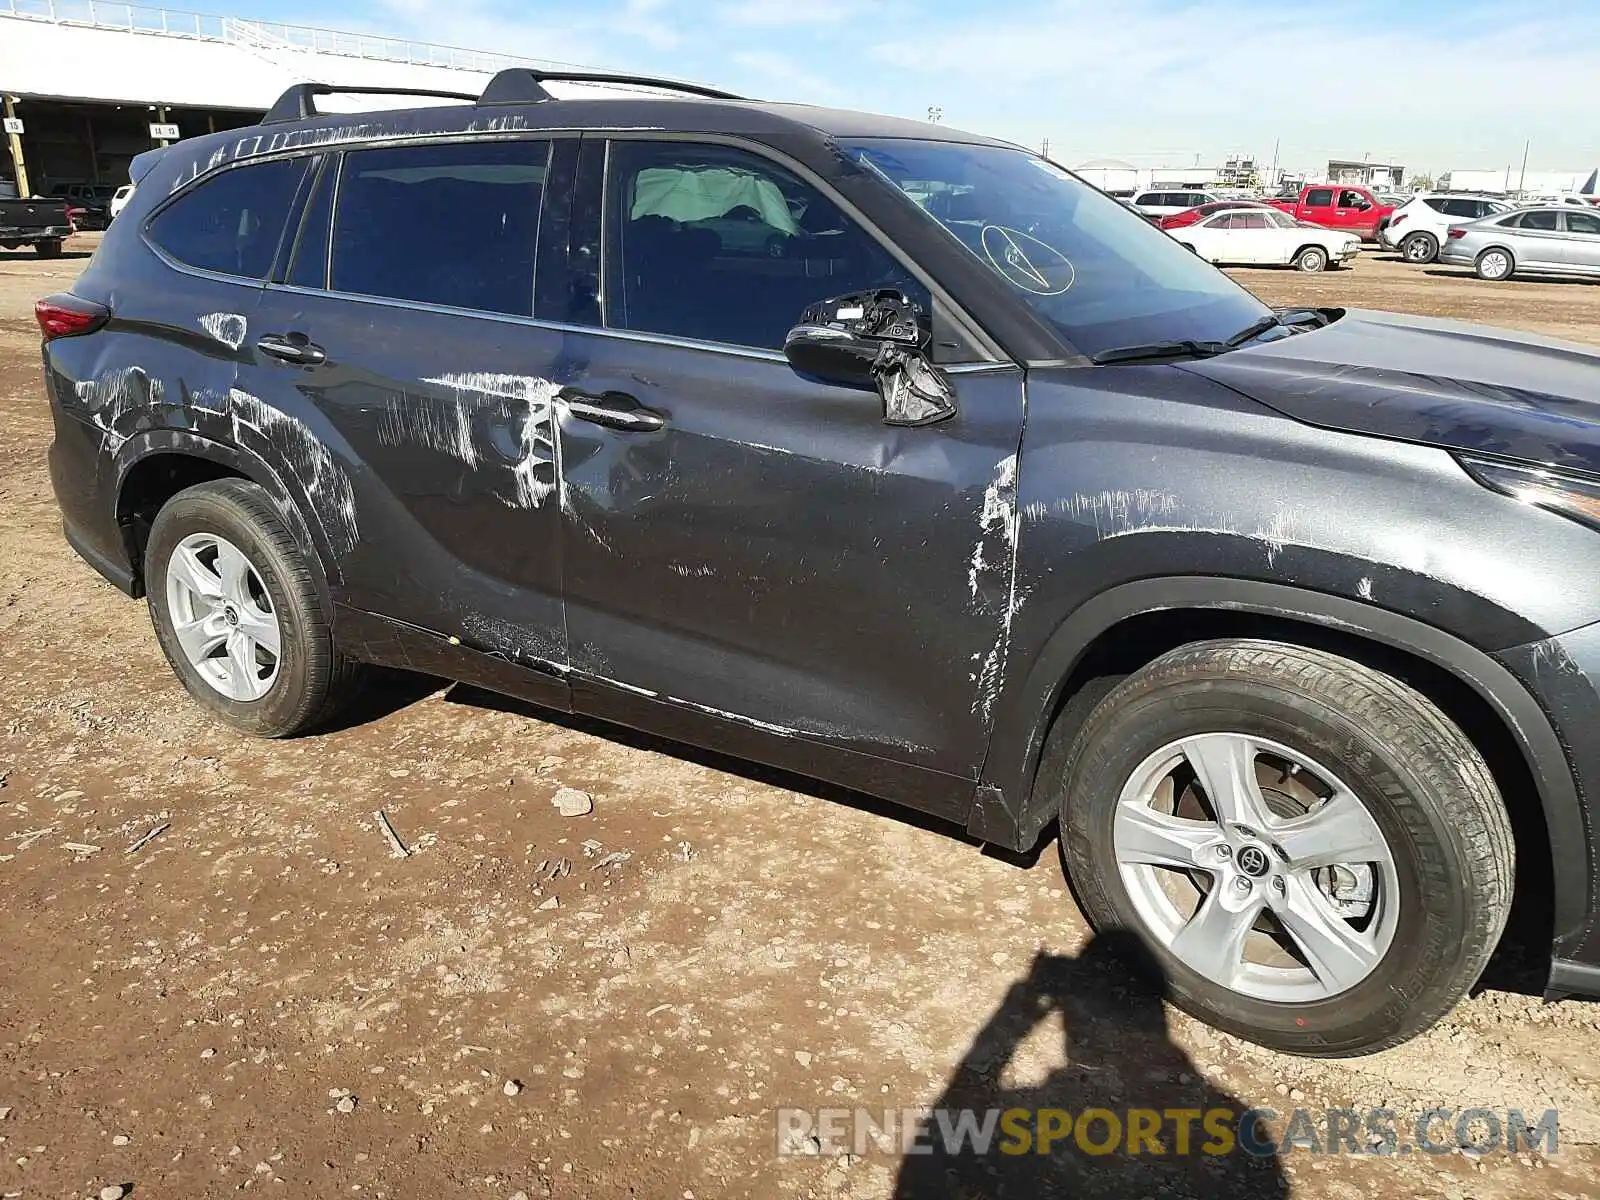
pixel 764 943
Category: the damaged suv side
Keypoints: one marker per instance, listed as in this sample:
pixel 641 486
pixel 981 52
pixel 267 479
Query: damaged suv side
pixel 887 454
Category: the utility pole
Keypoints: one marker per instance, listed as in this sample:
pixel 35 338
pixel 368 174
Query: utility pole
pixel 1522 180
pixel 1272 179
pixel 15 139
pixel 1044 148
pixel 935 114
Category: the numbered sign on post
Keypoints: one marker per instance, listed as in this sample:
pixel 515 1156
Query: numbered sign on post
pixel 164 132
pixel 13 124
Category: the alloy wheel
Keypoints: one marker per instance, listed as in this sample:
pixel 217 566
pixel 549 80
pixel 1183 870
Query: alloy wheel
pixel 1256 867
pixel 223 617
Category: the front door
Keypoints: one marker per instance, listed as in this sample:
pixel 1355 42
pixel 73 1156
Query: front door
pixel 417 396
pixel 760 546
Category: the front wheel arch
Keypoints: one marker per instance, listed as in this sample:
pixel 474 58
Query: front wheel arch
pixel 1129 626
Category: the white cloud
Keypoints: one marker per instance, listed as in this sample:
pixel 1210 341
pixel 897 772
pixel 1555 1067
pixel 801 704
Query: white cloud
pixel 1120 79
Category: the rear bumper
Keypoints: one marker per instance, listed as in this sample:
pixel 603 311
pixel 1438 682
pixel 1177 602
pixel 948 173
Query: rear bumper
pixel 1454 257
pixel 80 473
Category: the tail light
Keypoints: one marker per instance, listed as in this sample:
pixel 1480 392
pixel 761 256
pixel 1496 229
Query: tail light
pixel 1455 232
pixel 66 315
pixel 1397 220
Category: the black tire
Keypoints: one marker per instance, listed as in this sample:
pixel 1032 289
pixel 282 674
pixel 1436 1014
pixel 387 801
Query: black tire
pixel 1487 266
pixel 1419 248
pixel 314 680
pixel 1310 259
pixel 1421 780
pixel 49 248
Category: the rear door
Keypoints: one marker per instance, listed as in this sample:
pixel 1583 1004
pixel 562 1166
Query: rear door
pixel 1317 206
pixel 414 392
pixel 1582 246
pixel 1540 242
pixel 753 544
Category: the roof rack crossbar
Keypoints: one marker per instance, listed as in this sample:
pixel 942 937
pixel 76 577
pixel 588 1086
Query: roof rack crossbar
pixel 524 85
pixel 299 101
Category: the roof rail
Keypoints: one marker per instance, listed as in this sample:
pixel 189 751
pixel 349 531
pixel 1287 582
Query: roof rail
pixel 513 85
pixel 525 85
pixel 299 101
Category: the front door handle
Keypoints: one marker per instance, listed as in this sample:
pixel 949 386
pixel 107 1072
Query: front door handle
pixel 291 348
pixel 615 410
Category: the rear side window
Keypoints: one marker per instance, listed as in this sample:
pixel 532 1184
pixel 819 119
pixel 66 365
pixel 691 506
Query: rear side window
pixel 453 225
pixel 1439 204
pixel 1319 198
pixel 232 222
pixel 1538 220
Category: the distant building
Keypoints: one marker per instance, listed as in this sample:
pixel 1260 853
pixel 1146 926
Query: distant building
pixel 1503 181
pixel 1110 175
pixel 1381 176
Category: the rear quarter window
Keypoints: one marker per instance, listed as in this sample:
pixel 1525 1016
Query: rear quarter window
pixel 231 223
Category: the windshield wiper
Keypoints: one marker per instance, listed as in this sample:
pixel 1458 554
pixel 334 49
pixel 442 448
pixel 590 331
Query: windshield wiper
pixel 1254 330
pixel 1187 348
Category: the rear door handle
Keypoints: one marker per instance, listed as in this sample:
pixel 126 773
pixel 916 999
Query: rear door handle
pixel 291 348
pixel 615 410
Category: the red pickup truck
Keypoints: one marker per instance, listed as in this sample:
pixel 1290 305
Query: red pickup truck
pixel 1353 209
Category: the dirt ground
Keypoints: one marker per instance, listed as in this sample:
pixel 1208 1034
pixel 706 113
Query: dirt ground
pixel 187 1018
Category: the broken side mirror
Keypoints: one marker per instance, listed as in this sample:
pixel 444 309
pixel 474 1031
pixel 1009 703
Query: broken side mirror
pixel 879 341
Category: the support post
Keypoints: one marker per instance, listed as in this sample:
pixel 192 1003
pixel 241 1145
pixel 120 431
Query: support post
pixel 18 164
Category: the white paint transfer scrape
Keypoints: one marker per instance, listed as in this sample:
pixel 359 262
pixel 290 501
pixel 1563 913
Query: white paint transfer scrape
pixel 228 328
pixel 995 556
pixel 313 465
pixel 527 402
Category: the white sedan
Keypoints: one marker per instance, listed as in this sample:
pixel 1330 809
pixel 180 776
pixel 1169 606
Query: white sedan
pixel 1257 237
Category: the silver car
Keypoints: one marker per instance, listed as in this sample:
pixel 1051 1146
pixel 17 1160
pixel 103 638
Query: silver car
pixel 1532 241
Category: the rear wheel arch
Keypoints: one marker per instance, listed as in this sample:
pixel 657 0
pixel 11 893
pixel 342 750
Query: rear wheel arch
pixel 153 467
pixel 1127 627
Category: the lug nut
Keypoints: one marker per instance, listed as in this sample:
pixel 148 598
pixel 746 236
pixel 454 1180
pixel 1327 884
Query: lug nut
pixel 1224 851
pixel 1278 885
pixel 1241 884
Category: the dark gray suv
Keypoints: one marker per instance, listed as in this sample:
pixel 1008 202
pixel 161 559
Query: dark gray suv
pixel 887 454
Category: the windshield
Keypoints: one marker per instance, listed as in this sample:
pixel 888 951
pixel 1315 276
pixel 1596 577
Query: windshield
pixel 1102 275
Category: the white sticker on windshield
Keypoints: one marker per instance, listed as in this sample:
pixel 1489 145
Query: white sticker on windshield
pixel 1026 262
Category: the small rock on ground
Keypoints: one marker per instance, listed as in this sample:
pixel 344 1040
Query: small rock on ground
pixel 570 802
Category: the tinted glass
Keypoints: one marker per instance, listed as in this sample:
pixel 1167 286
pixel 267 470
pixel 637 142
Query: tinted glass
pixel 452 225
pixel 232 222
pixel 1438 203
pixel 1319 198
pixel 722 245
pixel 1349 199
pixel 1225 221
pixel 309 266
pixel 1583 222
pixel 1249 221
pixel 1539 220
pixel 1098 273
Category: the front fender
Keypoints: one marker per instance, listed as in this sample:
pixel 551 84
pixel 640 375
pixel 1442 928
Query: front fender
pixel 1015 811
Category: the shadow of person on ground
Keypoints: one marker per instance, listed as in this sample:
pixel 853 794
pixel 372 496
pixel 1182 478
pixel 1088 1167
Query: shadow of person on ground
pixel 1118 1058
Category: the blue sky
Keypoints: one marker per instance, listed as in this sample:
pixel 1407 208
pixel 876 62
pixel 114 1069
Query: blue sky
pixel 1434 84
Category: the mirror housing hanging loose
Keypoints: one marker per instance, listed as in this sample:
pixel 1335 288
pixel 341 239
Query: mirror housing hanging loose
pixel 874 341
